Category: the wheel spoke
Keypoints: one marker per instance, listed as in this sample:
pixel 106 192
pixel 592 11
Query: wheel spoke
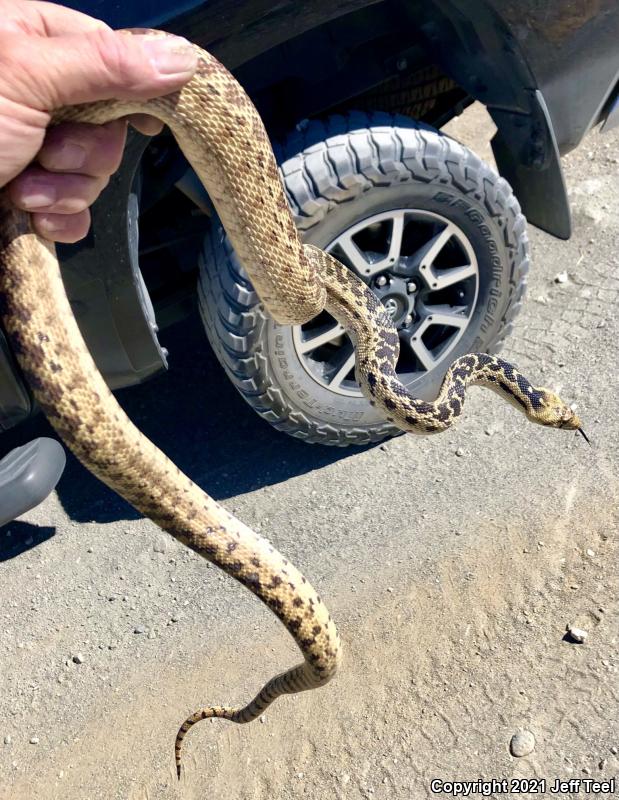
pixel 451 319
pixel 358 260
pixel 431 250
pixel 323 336
pixel 424 356
pixel 354 256
pixel 441 279
pixel 395 241
pixel 349 362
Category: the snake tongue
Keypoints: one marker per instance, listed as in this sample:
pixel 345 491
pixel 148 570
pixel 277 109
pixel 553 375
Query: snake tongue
pixel 584 436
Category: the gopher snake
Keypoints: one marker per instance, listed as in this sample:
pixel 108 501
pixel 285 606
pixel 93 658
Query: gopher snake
pixel 222 135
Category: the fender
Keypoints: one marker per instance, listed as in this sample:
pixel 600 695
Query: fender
pixel 477 48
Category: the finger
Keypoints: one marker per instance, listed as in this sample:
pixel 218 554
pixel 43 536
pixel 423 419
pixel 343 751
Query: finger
pixel 60 227
pixel 59 193
pixel 55 20
pixel 44 19
pixel 149 126
pixel 86 149
pixel 96 65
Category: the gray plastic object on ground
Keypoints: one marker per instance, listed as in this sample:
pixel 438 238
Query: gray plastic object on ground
pixel 27 475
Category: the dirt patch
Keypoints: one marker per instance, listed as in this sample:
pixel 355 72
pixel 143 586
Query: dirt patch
pixel 438 675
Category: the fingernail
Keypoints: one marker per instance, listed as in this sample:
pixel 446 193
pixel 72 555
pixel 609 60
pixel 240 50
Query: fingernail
pixel 68 155
pixel 38 194
pixel 171 55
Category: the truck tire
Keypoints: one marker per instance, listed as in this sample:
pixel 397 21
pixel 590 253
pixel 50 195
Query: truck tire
pixel 350 180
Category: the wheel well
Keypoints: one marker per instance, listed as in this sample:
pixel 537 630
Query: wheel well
pixel 428 61
pixel 368 60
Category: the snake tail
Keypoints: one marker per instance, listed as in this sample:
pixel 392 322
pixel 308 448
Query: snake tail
pixel 70 390
pixel 287 683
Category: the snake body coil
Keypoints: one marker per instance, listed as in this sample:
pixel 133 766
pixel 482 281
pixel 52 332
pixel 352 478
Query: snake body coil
pixel 221 134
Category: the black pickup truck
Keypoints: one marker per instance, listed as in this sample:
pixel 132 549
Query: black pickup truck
pixel 354 94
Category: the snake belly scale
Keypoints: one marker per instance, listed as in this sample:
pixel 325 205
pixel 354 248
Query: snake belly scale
pixel 223 137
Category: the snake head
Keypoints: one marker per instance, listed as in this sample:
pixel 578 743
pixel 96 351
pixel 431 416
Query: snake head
pixel 551 411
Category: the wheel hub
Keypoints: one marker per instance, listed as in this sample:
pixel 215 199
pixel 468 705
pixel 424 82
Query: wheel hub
pixel 394 294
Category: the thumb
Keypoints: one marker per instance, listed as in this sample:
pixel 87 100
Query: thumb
pixel 95 65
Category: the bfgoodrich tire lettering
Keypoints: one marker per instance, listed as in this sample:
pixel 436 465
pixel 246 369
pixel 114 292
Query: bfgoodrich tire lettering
pixel 336 173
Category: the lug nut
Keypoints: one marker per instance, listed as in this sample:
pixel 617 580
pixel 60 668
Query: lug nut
pixel 381 280
pixel 411 287
pixel 408 319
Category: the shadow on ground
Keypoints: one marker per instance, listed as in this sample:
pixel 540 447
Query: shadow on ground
pixel 198 419
pixel 17 537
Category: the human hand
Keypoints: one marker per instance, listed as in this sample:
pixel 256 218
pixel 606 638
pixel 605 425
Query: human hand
pixel 50 57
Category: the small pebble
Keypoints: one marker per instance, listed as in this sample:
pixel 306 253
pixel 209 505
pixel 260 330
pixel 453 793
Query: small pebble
pixel 34 740
pixel 139 629
pixel 614 750
pixel 590 552
pixel 602 764
pixel 522 743
pixel 7 739
pixel 174 618
pixel 561 277
pixel 577 634
pixel 78 658
pixel 459 452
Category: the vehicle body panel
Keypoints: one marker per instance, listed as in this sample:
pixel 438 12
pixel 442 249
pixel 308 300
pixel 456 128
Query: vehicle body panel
pixel 569 49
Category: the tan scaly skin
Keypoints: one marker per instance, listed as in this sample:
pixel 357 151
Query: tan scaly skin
pixel 220 132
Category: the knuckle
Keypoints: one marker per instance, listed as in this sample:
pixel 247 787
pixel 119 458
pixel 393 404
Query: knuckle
pixel 118 58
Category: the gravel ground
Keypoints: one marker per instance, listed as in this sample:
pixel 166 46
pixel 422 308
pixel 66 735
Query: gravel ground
pixel 452 565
